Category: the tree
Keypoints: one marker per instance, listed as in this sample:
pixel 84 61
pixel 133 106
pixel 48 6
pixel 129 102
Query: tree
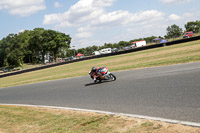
pixel 89 50
pixel 57 43
pixel 2 53
pixel 123 44
pixel 193 26
pixel 23 40
pixel 108 45
pixel 173 31
pixel 38 50
pixel 70 52
pixel 12 51
pixel 115 45
pixel 47 41
pixel 82 51
pixel 149 39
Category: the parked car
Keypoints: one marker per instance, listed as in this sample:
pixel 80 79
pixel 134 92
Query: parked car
pixel 61 60
pixel 188 34
pixel 163 41
pixel 127 48
pixel 115 50
pixel 5 70
pixel 68 58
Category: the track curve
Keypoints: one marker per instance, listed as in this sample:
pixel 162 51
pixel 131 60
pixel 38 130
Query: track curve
pixel 170 92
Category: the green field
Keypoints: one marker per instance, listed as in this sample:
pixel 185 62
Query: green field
pixel 15 119
pixel 180 53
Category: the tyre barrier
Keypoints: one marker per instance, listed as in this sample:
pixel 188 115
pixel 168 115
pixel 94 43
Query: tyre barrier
pixel 104 55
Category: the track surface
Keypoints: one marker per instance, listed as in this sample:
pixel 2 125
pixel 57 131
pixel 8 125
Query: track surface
pixel 170 92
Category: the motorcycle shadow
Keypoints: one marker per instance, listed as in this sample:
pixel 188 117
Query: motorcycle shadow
pixel 89 84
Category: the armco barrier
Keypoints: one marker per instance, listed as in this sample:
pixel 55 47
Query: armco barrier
pixel 105 55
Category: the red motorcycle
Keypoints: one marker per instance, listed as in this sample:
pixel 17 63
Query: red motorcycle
pixel 104 74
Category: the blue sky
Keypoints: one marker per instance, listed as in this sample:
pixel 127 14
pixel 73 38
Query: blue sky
pixel 95 22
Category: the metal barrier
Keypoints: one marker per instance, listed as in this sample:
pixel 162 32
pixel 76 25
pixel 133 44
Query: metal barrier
pixel 105 55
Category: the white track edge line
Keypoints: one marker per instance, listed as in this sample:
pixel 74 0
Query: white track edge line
pixel 187 123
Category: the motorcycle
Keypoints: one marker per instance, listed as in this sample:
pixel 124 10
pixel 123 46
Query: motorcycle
pixel 104 74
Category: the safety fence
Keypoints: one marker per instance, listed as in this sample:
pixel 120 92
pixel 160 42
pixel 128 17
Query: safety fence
pixel 104 55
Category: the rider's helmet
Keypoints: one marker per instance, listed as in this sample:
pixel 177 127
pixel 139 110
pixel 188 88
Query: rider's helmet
pixel 94 69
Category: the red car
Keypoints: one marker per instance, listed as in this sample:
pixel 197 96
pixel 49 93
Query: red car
pixel 188 34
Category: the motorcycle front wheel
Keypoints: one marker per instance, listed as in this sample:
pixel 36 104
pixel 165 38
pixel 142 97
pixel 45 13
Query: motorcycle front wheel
pixel 112 77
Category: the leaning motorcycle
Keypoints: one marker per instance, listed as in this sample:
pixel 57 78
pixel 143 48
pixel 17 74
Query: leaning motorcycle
pixel 104 74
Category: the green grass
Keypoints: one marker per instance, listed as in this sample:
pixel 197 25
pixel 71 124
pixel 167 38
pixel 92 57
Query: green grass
pixel 180 53
pixel 40 120
pixel 16 119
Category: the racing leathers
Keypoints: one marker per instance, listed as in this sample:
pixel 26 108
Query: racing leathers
pixel 94 74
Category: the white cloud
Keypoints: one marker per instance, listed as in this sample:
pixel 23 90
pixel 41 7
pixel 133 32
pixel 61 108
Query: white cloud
pixel 84 32
pixel 84 29
pixel 175 1
pixel 189 16
pixel 53 18
pixel 22 7
pixel 184 18
pixel 103 3
pixel 83 35
pixel 124 18
pixel 81 12
pixel 57 4
pixel 116 17
pixel 90 19
pixel 22 30
pixel 92 13
pixel 145 17
pixel 174 17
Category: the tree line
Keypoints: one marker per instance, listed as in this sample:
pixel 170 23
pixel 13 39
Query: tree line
pixel 89 50
pixel 31 46
pixel 172 31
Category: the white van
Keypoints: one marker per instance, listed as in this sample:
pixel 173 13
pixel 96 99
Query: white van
pixel 138 44
pixel 105 51
pixel 96 53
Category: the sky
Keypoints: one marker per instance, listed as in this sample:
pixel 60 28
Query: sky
pixel 95 22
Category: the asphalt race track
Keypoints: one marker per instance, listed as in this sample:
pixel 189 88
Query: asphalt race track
pixel 169 92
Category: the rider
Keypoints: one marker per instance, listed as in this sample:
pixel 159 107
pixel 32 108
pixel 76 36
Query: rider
pixel 94 74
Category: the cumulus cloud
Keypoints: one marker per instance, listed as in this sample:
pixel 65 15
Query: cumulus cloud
pixel 22 7
pixel 82 11
pixel 116 17
pixel 22 30
pixel 125 18
pixel 145 17
pixel 89 16
pixel 53 18
pixel 103 3
pixel 91 19
pixel 83 35
pixel 174 17
pixel 175 1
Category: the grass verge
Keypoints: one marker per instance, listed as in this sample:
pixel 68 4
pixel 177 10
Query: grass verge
pixel 16 119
